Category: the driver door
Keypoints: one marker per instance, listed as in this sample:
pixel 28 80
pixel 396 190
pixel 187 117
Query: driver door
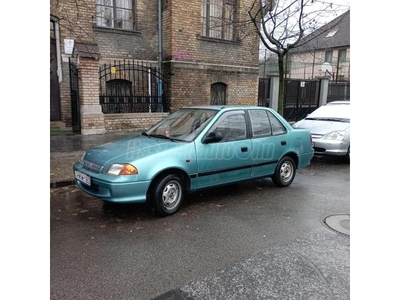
pixel 228 160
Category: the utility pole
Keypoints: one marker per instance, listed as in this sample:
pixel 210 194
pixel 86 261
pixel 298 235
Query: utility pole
pixel 160 58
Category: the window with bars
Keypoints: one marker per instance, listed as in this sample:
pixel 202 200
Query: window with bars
pixel 219 18
pixel 115 14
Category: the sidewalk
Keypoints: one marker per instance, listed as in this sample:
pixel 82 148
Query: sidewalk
pixel 67 149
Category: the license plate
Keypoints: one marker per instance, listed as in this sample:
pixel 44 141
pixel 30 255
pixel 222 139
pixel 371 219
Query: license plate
pixel 83 178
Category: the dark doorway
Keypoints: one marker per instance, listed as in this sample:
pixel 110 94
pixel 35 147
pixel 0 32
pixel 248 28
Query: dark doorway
pixel 55 114
pixel 74 88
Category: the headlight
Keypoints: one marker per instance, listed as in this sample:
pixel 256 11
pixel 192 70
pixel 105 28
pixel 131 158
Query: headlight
pixel 335 135
pixel 122 169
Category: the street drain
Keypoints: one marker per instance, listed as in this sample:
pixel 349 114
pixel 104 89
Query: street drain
pixel 339 223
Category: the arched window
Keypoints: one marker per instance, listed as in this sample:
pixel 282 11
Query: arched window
pixel 218 93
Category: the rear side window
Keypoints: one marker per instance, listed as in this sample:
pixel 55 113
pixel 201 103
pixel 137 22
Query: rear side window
pixel 277 127
pixel 260 125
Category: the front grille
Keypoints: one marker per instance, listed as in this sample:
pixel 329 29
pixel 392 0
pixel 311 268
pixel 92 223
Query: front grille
pixel 91 166
pixel 319 149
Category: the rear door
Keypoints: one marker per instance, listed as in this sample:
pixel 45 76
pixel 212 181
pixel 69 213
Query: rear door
pixel 269 142
pixel 228 160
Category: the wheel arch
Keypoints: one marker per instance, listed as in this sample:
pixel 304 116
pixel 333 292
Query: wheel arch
pixel 179 172
pixel 293 156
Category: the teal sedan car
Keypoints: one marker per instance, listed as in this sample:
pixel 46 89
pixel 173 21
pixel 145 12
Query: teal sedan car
pixel 192 149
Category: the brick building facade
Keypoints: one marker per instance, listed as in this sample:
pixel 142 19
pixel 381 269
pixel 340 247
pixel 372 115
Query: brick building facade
pixel 209 56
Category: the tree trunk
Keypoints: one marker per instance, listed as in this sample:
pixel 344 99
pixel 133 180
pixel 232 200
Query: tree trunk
pixel 281 84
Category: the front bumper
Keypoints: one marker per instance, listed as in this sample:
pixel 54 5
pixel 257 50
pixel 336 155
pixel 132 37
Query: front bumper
pixel 327 147
pixel 123 189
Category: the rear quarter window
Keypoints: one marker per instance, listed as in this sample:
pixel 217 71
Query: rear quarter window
pixel 276 125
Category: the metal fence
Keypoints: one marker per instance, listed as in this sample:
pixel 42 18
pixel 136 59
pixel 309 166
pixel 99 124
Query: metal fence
pixel 338 91
pixel 131 87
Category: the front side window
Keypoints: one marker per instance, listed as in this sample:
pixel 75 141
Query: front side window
pixel 218 18
pixel 232 126
pixel 115 14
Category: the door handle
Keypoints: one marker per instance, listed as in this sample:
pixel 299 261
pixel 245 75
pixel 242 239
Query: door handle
pixel 283 143
pixel 243 149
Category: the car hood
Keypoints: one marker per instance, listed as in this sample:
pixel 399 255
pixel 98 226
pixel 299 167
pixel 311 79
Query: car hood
pixel 129 149
pixel 321 126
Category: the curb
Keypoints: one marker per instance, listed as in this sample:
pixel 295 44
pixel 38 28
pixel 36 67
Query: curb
pixel 62 183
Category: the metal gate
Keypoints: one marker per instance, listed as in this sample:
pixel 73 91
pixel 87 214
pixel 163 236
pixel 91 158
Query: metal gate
pixel 55 110
pixel 131 87
pixel 74 88
pixel 338 91
pixel 301 98
pixel 263 91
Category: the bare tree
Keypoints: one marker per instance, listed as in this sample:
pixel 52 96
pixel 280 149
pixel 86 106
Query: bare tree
pixel 282 25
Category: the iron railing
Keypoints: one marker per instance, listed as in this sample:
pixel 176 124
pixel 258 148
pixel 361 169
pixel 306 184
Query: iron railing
pixel 131 87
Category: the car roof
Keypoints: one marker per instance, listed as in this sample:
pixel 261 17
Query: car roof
pixel 226 107
pixel 338 102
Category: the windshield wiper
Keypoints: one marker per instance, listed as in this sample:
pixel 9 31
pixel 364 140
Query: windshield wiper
pixel 161 136
pixel 145 134
pixel 344 120
pixel 330 119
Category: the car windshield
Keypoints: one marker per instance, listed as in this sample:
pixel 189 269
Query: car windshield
pixel 183 125
pixel 338 113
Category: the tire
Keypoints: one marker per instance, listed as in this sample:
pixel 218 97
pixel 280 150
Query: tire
pixel 285 172
pixel 167 195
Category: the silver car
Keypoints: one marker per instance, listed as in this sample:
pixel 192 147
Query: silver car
pixel 330 129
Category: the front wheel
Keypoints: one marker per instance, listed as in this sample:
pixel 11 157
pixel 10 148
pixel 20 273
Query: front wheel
pixel 167 195
pixel 285 172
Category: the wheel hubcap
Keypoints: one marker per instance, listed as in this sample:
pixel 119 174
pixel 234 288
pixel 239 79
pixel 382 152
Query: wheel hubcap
pixel 171 195
pixel 286 171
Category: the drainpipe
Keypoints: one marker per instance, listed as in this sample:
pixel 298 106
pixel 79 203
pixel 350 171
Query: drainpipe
pixel 160 57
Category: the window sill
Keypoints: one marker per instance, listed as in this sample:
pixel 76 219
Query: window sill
pixel 215 40
pixel 117 31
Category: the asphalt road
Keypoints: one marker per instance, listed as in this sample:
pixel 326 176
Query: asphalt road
pixel 245 241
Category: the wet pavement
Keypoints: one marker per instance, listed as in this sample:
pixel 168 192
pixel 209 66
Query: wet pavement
pixel 68 149
pixel 251 241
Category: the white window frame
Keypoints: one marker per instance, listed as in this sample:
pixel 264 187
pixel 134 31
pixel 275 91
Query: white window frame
pixel 116 14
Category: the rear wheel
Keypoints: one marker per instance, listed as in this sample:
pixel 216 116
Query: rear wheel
pixel 167 195
pixel 285 172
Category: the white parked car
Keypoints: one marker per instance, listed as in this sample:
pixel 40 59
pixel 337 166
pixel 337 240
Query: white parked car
pixel 330 129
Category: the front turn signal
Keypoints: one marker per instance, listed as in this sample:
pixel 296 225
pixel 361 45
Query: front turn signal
pixel 122 169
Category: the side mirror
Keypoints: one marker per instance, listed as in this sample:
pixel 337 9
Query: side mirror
pixel 213 137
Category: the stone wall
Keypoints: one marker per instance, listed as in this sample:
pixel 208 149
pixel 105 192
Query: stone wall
pixel 190 84
pixel 192 62
pixel 132 122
